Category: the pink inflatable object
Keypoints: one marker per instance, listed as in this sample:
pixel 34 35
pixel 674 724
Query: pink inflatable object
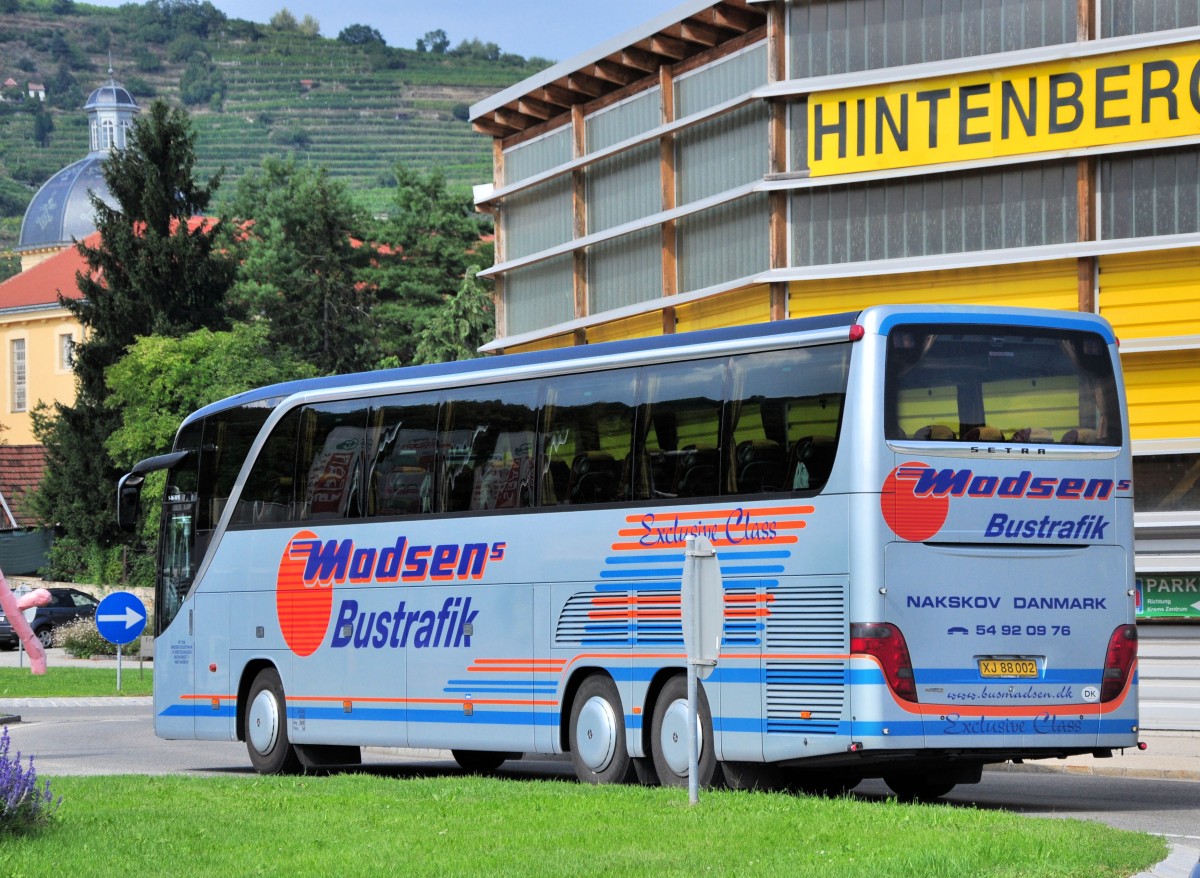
pixel 14 610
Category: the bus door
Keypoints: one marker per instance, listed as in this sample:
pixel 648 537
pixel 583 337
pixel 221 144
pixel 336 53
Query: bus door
pixel 174 622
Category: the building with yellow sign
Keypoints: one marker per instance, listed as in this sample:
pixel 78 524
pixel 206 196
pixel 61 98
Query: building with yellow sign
pixel 742 161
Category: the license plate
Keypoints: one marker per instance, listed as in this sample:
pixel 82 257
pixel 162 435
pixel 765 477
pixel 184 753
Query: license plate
pixel 1007 668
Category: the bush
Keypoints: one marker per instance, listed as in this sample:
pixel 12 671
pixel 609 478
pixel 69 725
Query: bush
pixel 24 806
pixel 81 639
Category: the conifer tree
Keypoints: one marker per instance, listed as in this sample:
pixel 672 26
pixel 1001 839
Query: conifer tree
pixel 155 271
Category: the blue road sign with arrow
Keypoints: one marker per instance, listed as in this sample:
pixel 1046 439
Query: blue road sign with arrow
pixel 121 617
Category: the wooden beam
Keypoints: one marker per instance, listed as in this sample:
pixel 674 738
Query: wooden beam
pixel 697 32
pixel 640 60
pixel 485 125
pixel 737 18
pixel 510 118
pixel 586 85
pixel 669 47
pixel 537 109
pixel 610 71
pixel 560 95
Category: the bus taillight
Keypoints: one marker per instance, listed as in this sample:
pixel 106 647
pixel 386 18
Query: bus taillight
pixel 885 641
pixel 1118 661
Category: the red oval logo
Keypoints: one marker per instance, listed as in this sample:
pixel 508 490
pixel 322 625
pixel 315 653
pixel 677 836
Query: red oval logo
pixel 304 609
pixel 910 517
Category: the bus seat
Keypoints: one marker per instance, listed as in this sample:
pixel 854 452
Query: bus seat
pixel 935 433
pixel 593 478
pixel 554 482
pixel 699 469
pixel 1031 434
pixel 1080 436
pixel 761 467
pixel 983 433
pixel 812 462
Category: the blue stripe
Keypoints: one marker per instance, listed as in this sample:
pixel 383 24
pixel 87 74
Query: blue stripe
pixel 643 559
pixel 1000 318
pixel 615 574
pixel 637 586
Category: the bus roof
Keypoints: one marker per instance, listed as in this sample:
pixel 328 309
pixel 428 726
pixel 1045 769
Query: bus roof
pixel 879 319
pixel 277 392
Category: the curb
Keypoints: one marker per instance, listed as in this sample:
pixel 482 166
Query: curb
pixel 1182 774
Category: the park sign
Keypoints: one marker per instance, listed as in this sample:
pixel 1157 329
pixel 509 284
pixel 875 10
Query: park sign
pixel 1168 596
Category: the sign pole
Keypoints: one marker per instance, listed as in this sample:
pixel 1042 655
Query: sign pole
pixel 120 619
pixel 702 608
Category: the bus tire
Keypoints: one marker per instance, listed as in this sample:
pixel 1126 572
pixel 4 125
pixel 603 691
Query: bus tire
pixel 597 733
pixel 668 739
pixel 911 787
pixel 266 727
pixel 481 761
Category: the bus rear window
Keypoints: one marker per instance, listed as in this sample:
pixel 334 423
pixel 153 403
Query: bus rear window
pixel 974 384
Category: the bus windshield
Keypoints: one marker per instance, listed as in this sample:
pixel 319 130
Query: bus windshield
pixel 990 384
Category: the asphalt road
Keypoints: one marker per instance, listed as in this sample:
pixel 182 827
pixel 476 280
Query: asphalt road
pixel 102 736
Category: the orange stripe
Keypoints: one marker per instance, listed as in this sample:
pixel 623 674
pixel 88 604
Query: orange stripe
pixel 628 547
pixel 724 513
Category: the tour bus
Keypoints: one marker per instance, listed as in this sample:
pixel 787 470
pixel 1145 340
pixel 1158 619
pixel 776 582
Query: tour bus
pixel 922 517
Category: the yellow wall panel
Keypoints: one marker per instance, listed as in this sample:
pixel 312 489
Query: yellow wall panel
pixel 1150 295
pixel 639 326
pixel 542 344
pixel 738 308
pixel 1034 285
pixel 1163 392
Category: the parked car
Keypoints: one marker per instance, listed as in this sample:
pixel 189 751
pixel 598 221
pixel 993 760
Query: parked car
pixel 66 605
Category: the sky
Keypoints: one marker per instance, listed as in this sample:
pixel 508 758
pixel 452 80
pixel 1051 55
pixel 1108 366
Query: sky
pixel 553 29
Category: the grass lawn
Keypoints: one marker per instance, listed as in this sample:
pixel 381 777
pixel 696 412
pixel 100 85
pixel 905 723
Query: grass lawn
pixel 75 682
pixel 349 825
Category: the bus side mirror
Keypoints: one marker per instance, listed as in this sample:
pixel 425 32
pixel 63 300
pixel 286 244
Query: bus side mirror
pixel 129 500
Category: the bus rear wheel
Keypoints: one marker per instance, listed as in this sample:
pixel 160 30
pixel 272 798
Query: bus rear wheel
pixel 266 727
pixel 668 736
pixel 598 749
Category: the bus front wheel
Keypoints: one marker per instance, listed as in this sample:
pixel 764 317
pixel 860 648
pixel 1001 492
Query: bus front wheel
pixel 266 727
pixel 598 749
pixel 668 736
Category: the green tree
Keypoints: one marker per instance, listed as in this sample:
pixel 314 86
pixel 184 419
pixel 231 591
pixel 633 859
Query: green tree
pixel 464 322
pixel 360 35
pixel 439 237
pixel 153 273
pixel 302 265
pixel 161 380
pixel 283 20
pixel 43 126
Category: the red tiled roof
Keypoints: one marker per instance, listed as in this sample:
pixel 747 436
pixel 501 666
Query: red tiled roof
pixel 41 284
pixel 20 471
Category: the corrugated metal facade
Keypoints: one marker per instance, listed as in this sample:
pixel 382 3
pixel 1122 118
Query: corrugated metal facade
pixel 1037 285
pixel 1163 390
pixel 843 36
pixel 1151 295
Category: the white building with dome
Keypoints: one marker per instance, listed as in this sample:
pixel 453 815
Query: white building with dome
pixel 61 213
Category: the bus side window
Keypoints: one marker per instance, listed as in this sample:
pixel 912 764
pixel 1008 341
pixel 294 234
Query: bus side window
pixel 269 493
pixel 401 455
pixel 486 447
pixel 330 461
pixel 587 430
pixel 680 430
pixel 785 409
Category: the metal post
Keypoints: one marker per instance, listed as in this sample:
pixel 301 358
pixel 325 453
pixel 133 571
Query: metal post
pixel 693 744
pixel 118 667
